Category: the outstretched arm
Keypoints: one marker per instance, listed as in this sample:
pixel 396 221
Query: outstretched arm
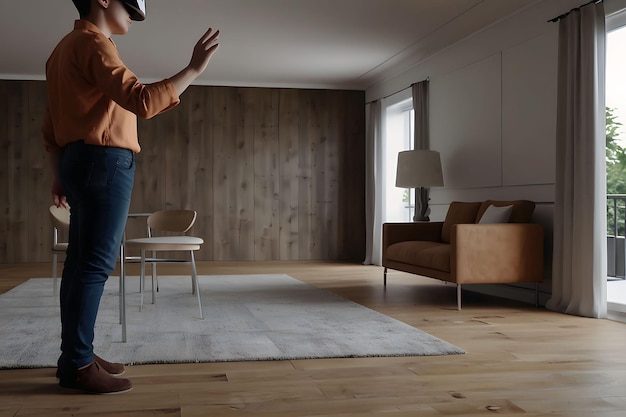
pixel 202 52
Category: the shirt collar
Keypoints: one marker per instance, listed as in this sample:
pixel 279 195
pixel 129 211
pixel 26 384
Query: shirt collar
pixel 86 24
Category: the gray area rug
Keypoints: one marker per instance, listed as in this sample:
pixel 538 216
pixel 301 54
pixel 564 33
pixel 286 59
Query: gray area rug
pixel 247 317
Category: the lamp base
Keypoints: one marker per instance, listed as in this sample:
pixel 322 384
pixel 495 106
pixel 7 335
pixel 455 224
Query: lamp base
pixel 421 219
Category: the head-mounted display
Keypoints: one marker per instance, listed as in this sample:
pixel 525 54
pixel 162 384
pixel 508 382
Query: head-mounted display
pixel 135 8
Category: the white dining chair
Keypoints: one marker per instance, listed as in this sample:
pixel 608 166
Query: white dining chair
pixel 60 217
pixel 166 233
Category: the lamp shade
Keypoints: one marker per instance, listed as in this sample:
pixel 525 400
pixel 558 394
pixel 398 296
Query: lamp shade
pixel 419 168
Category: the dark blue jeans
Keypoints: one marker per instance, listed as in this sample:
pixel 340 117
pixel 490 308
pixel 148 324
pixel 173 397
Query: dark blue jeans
pixel 98 183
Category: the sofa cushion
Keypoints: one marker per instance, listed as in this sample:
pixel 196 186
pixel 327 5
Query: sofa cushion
pixel 459 212
pixel 431 255
pixel 495 214
pixel 522 211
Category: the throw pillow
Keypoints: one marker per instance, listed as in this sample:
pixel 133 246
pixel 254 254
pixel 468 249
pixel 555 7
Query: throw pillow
pixel 522 209
pixel 458 212
pixel 495 214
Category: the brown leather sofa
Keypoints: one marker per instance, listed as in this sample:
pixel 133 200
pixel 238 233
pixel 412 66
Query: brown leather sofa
pixel 472 245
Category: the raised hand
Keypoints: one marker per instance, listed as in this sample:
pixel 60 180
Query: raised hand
pixel 204 49
pixel 202 53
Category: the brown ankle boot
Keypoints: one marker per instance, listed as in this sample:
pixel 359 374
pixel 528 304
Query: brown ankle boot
pixel 113 368
pixel 68 373
pixel 95 380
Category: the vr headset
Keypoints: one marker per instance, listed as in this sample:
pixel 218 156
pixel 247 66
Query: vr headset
pixel 135 8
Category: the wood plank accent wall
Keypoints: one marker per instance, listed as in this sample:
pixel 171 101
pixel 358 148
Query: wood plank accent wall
pixel 274 174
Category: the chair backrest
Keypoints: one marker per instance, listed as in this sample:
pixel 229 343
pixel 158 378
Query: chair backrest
pixel 178 221
pixel 60 217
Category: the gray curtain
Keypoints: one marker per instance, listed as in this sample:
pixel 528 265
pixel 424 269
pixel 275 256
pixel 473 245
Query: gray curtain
pixel 421 141
pixel 579 263
pixel 373 185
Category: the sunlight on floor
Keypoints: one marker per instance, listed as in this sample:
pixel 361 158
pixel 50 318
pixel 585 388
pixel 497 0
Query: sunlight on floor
pixel 616 291
pixel 616 300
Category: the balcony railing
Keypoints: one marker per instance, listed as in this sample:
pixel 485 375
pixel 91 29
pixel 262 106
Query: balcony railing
pixel 615 234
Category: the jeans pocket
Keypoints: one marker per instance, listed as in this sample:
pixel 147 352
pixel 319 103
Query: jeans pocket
pixel 124 170
pixel 126 161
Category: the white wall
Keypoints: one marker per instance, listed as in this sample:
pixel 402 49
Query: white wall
pixel 493 114
pixel 493 108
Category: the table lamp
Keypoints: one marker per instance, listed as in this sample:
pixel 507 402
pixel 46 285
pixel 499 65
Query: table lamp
pixel 419 169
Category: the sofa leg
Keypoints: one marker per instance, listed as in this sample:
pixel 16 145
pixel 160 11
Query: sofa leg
pixel 458 297
pixel 536 294
pixel 385 277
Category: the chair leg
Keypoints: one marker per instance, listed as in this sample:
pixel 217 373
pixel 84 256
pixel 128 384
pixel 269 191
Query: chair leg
pixel 193 281
pixel 155 277
pixel 458 297
pixel 142 276
pixel 154 282
pixel 196 285
pixel 55 285
pixel 536 294
pixel 123 292
pixel 385 277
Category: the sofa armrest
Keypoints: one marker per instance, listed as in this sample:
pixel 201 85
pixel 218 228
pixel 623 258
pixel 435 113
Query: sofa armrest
pixel 402 232
pixel 496 253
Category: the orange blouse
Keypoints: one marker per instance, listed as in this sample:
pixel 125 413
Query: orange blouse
pixel 93 96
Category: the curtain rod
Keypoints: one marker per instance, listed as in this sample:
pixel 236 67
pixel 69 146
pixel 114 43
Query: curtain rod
pixel 399 91
pixel 556 19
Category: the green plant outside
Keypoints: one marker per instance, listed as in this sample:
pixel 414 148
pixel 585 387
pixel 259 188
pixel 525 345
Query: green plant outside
pixel 615 172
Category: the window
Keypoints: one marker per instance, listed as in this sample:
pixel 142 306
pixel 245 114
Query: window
pixel 616 70
pixel 616 150
pixel 398 134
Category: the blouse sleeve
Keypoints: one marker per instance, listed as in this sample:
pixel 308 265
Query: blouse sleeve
pixel 112 76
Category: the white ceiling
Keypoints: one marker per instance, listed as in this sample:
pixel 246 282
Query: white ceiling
pixel 349 44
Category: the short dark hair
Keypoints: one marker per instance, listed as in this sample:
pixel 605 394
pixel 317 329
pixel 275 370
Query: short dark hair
pixel 83 7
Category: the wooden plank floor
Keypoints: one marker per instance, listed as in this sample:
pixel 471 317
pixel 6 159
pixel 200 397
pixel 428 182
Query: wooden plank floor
pixel 520 361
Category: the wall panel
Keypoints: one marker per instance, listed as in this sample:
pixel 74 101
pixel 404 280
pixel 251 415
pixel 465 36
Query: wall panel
pixel 529 83
pixel 275 174
pixel 266 180
pixel 466 124
pixel 4 171
pixel 17 172
pixel 288 173
pixel 38 172
pixel 226 236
